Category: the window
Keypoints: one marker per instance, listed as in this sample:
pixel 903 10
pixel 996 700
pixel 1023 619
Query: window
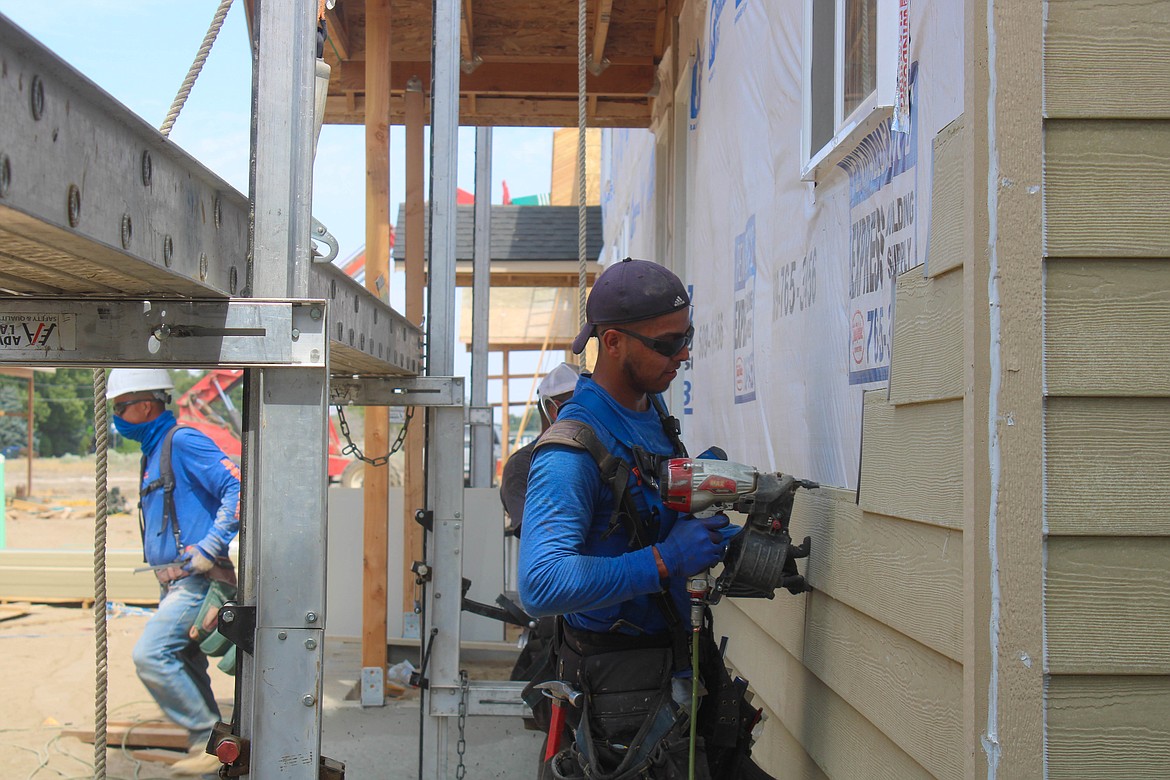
pixel 850 62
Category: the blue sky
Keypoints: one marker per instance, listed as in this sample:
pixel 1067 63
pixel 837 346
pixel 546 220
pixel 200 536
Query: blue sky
pixel 139 52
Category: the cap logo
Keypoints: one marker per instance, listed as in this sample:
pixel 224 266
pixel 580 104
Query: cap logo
pixel 678 301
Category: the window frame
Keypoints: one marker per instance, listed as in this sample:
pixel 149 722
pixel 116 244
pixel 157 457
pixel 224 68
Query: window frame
pixel 848 131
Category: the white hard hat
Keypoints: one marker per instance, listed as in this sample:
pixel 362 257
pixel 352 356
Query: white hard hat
pixel 137 380
pixel 561 380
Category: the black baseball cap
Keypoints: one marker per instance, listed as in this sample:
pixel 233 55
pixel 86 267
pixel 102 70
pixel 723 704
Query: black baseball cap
pixel 630 291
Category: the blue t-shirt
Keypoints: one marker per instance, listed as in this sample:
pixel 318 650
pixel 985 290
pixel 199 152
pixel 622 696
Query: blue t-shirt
pixel 207 494
pixel 566 567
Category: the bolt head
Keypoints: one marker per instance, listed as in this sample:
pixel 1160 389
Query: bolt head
pixel 310 644
pixel 283 635
pixel 310 617
pixel 228 751
pixel 309 700
pixel 227 616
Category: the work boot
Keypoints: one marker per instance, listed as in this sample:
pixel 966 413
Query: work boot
pixel 198 762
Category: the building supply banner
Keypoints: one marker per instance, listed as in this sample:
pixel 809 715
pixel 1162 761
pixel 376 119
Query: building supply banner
pixel 793 281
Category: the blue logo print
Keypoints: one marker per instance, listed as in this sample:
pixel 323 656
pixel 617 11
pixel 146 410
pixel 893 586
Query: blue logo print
pixel 716 11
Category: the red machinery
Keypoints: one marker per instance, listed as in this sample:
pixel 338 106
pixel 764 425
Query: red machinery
pixel 197 408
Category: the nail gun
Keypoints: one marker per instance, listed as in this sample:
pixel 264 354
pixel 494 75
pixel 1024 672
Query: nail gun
pixel 761 558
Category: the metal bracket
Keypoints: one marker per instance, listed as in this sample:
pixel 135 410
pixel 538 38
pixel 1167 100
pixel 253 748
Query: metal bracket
pixel 484 697
pixel 397 391
pixel 237 622
pixel 421 569
pixel 373 691
pixel 479 415
pixel 425 518
pixel 596 68
pixel 321 235
pixel 161 332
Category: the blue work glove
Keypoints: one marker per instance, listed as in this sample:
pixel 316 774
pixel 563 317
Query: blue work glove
pixel 198 562
pixel 694 544
pixel 728 531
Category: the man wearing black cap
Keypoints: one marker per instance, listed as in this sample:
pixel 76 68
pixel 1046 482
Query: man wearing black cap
pixel 616 574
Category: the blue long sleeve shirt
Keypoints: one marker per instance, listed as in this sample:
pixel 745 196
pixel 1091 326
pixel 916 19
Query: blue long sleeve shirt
pixel 566 567
pixel 207 495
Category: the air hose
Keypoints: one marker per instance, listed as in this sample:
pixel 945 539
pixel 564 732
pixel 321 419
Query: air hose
pixel 694 698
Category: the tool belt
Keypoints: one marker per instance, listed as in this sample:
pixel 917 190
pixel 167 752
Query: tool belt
pixel 631 724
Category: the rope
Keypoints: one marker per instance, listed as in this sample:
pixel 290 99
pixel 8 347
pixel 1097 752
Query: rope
pixel 196 66
pixel 581 99
pixel 101 429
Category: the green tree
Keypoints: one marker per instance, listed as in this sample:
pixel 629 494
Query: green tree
pixel 63 411
pixel 13 400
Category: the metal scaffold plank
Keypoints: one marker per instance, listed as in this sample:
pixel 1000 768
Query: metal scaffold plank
pixel 95 201
pixel 366 335
pixel 177 332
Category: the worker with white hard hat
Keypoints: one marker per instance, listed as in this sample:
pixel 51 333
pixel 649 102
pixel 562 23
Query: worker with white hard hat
pixel 554 389
pixel 186 529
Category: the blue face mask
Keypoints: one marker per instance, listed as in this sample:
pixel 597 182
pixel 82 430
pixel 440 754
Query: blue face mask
pixel 143 433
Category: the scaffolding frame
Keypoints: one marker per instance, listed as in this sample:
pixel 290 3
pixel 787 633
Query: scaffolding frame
pixel 128 252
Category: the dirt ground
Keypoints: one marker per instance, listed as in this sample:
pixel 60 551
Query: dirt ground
pixel 49 673
pixel 59 514
pixel 49 651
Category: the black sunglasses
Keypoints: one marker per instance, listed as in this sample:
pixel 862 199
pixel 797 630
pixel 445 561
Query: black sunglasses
pixel 121 407
pixel 665 347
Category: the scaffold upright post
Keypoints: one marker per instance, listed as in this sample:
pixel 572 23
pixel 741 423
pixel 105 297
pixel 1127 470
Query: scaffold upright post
pixel 284 535
pixel 445 425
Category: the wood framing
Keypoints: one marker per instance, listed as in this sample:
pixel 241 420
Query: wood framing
pixel 376 484
pixel 524 51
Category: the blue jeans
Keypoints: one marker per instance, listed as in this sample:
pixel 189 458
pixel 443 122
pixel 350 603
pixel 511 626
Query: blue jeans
pixel 172 667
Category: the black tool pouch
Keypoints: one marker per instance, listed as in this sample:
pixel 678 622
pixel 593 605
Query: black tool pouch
pixel 623 690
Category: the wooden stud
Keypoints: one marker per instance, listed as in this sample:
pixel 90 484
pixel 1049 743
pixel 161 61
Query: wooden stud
pixel 466 39
pixel 601 31
pixel 376 485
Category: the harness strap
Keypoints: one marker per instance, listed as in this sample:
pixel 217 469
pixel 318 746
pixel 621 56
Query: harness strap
pixel 166 481
pixel 670 425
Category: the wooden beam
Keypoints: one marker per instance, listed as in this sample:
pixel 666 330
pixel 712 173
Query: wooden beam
pixel 466 35
pixel 507 112
pixel 338 30
pixel 151 734
pixel 518 78
pixel 660 25
pixel 376 483
pixel 601 31
pixel 414 485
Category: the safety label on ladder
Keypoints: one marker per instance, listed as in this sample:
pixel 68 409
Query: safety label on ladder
pixel 50 332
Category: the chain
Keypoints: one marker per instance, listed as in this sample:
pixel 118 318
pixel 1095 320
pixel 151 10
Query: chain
pixel 461 745
pixel 351 448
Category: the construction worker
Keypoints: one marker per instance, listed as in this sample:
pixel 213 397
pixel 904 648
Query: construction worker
pixel 185 535
pixel 554 389
pixel 615 568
